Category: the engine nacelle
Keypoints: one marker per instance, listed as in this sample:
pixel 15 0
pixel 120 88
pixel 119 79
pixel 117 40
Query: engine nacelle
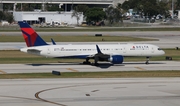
pixel 116 59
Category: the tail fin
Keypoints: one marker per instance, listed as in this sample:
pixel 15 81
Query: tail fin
pixel 30 36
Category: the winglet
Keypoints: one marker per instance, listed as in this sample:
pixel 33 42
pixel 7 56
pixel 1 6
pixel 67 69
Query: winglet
pixel 54 43
pixel 30 36
pixel 98 49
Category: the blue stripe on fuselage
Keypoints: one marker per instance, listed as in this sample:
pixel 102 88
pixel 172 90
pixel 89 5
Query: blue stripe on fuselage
pixel 77 56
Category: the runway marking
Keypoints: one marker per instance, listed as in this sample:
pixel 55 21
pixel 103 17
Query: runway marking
pixel 73 70
pixel 142 69
pixel 39 98
pixel 18 97
pixel 156 85
pixel 94 90
pixel 2 72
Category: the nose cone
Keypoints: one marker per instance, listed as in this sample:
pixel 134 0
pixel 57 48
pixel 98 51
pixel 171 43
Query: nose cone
pixel 162 52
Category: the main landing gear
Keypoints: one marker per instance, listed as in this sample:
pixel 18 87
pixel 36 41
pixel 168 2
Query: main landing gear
pixel 87 61
pixel 96 61
pixel 147 61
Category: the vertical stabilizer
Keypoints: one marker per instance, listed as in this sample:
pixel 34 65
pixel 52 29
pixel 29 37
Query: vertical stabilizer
pixel 30 36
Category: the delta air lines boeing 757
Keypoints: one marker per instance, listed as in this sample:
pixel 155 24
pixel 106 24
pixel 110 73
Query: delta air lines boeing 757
pixel 113 53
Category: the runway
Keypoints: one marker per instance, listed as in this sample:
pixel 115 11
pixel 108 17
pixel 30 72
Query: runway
pixel 90 92
pixel 78 67
pixel 172 37
pixel 105 33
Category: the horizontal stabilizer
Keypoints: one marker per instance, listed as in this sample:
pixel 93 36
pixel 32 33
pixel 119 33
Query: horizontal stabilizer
pixel 34 51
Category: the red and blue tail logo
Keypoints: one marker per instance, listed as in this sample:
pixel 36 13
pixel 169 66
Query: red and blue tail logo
pixel 30 36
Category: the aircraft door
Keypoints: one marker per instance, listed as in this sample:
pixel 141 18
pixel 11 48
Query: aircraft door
pixel 152 50
pixel 124 50
pixel 48 50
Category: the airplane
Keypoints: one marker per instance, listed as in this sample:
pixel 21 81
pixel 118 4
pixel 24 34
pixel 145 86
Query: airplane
pixel 113 53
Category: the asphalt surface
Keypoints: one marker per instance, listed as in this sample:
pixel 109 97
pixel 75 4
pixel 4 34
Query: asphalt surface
pixel 77 67
pixel 104 33
pixel 90 92
pixel 167 39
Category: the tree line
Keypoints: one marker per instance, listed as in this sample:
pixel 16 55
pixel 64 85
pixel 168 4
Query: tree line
pixel 97 14
pixel 114 14
pixel 147 7
pixel 6 16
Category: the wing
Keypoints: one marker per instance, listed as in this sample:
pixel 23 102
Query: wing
pixel 99 56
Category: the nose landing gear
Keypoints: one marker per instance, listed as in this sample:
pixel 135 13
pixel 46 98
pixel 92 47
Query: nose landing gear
pixel 147 60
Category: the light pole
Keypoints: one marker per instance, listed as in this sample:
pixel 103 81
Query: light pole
pixel 65 7
pixel 72 6
pixel 21 6
pixel 1 6
pixel 43 8
pixel 172 9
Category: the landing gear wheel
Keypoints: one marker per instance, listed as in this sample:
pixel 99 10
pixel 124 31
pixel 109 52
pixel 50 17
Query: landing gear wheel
pixel 86 62
pixel 147 61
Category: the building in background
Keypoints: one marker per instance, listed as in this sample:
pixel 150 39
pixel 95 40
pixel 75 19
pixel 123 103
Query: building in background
pixel 67 5
pixel 50 18
pixel 115 2
pixel 43 16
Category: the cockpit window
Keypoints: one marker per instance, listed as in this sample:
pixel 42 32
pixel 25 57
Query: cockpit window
pixel 159 49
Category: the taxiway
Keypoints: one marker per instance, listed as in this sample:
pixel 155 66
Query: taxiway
pixel 167 39
pixel 78 67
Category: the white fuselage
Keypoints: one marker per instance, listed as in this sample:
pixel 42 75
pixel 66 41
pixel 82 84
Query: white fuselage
pixel 81 51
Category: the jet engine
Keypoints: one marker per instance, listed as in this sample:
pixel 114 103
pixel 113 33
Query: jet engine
pixel 116 59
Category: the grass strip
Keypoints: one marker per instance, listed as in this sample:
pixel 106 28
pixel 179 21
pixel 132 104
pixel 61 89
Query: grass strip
pixel 124 74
